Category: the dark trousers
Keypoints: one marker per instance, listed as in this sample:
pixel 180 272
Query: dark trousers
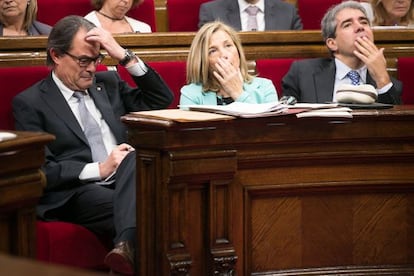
pixel 105 210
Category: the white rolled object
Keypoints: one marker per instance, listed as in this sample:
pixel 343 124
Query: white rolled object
pixel 357 94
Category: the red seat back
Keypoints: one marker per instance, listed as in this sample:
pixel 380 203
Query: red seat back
pixel 312 12
pixel 405 66
pixel 172 72
pixel 275 70
pixel 14 80
pixel 51 11
pixel 183 15
pixel 145 12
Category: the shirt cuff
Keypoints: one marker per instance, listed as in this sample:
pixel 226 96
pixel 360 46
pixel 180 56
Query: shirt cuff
pixel 384 89
pixel 137 69
pixel 90 172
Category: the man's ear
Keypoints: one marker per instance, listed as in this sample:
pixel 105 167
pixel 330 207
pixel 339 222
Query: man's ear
pixel 331 44
pixel 54 55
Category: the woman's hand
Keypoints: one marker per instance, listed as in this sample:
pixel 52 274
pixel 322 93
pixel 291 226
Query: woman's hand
pixel 229 77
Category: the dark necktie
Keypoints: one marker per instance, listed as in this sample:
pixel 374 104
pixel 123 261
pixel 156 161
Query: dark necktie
pixel 354 76
pixel 252 19
pixel 91 129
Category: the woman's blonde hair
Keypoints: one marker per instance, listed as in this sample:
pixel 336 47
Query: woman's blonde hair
pixel 198 67
pixel 380 14
pixel 97 4
pixel 31 13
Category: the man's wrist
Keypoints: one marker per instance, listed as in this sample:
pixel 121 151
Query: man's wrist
pixel 129 56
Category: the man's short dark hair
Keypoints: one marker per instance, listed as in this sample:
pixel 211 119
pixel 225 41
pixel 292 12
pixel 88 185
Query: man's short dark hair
pixel 62 34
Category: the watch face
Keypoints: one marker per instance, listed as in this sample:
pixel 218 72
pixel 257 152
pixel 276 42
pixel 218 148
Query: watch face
pixel 128 56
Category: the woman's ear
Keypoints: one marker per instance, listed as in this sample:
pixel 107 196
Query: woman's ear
pixel 331 44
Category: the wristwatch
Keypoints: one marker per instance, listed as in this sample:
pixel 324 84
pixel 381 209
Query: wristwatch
pixel 129 55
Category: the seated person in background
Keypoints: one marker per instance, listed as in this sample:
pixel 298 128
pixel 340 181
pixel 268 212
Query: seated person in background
pixel 367 6
pixel 271 14
pixel 391 12
pixel 18 18
pixel 111 15
pixel 90 170
pixel 348 35
pixel 217 72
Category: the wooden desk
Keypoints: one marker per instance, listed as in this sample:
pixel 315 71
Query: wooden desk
pixel 21 185
pixel 14 266
pixel 265 195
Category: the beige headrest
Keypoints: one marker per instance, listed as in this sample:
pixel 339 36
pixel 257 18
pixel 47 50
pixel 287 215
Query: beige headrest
pixel 361 94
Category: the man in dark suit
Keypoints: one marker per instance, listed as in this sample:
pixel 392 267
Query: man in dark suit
pixel 272 14
pixel 348 35
pixel 83 188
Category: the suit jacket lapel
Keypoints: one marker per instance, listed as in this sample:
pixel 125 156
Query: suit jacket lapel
pixel 324 82
pixel 100 97
pixel 270 15
pixel 233 14
pixel 55 100
pixel 370 80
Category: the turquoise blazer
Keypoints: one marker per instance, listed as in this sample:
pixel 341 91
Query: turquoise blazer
pixel 260 90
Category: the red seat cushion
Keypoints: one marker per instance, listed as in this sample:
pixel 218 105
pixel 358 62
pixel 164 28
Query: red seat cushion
pixel 145 12
pixel 275 70
pixel 14 80
pixel 51 11
pixel 312 11
pixel 405 66
pixel 70 244
pixel 183 15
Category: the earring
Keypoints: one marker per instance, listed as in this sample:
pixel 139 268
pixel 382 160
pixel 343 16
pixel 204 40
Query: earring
pixel 28 2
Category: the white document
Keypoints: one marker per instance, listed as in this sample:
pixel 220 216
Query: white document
pixel 239 109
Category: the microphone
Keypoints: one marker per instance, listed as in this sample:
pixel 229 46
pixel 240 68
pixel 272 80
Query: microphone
pixel 288 100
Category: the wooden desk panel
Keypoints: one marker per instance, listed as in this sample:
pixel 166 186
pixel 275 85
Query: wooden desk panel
pixel 21 185
pixel 267 195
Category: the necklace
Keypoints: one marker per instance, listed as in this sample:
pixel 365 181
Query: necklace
pixel 110 17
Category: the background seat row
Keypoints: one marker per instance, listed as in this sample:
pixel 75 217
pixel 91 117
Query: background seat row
pixel 174 15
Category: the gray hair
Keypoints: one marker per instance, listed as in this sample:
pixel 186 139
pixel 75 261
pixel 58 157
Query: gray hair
pixel 329 24
pixel 62 34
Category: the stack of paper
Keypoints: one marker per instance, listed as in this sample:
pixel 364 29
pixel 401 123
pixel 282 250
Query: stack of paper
pixel 321 110
pixel 342 112
pixel 248 110
pixel 240 109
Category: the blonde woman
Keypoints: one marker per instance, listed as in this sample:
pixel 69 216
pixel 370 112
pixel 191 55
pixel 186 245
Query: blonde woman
pixel 217 71
pixel 18 18
pixel 392 12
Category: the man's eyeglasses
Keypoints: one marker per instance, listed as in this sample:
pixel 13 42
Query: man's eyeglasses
pixel 84 61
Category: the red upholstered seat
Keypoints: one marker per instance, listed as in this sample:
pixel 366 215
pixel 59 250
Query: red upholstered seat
pixel 51 11
pixel 69 244
pixel 172 72
pixel 183 15
pixel 57 242
pixel 405 66
pixel 13 80
pixel 312 12
pixel 274 69
pixel 145 12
